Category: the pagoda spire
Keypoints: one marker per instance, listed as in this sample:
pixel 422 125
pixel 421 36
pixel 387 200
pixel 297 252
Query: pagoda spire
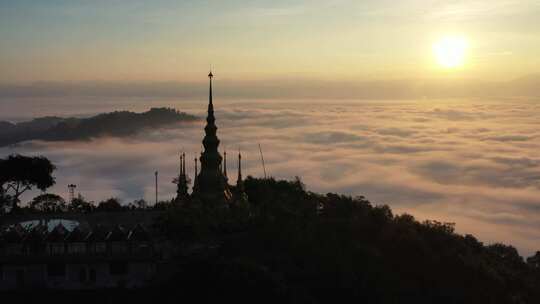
pixel 181 181
pixel 239 183
pixel 239 166
pixel 181 166
pixel 184 164
pixel 241 198
pixel 211 184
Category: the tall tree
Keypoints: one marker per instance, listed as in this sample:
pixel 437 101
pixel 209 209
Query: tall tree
pixel 80 204
pixel 19 174
pixel 48 202
pixel 111 204
pixel 534 261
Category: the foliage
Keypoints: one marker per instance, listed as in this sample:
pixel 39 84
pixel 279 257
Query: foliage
pixel 20 173
pixel 5 200
pixel 48 202
pixel 534 261
pixel 335 248
pixel 111 204
pixel 79 204
pixel 140 204
pixel 294 246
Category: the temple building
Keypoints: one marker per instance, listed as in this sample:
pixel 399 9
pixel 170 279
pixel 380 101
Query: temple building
pixel 83 258
pixel 210 185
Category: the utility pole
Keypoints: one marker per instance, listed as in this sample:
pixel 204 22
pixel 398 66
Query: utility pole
pixel 156 174
pixel 262 160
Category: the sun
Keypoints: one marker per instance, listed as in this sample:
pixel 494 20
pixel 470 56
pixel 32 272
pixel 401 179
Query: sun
pixel 450 51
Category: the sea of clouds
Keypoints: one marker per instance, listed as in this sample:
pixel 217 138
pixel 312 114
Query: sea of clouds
pixel 475 163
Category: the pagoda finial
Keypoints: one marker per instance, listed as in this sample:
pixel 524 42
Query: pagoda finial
pixel 180 153
pixel 241 196
pixel 210 76
pixel 239 180
pixel 184 163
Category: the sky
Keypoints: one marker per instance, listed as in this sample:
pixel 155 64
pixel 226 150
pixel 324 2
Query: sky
pixel 331 40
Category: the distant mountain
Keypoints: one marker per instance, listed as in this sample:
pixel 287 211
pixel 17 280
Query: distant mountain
pixel 118 123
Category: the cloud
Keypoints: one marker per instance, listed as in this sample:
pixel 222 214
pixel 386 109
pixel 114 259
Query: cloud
pixel 282 89
pixel 396 132
pixel 471 162
pixel 333 137
pixel 505 138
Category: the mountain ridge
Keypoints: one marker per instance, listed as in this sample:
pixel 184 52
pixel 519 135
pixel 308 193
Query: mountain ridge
pixel 116 124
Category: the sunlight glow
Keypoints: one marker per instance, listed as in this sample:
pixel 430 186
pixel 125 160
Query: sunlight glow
pixel 450 51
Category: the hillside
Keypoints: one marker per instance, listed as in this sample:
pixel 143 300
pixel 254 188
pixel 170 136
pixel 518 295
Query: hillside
pixel 294 246
pixel 303 247
pixel 118 124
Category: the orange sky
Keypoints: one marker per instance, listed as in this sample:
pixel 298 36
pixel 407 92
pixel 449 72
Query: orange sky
pixel 320 40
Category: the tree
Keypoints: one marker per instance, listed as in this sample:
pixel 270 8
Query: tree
pixel 506 253
pixel 111 204
pixel 4 200
pixel 20 173
pixel 79 204
pixel 48 202
pixel 140 204
pixel 534 261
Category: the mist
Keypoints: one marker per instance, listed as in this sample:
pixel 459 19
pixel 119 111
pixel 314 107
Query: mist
pixel 471 162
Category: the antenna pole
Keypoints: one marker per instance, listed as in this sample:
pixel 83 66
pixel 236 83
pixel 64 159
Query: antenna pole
pixel 262 160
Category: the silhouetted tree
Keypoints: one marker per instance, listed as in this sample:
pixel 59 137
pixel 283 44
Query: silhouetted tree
pixel 336 248
pixel 48 202
pixel 5 199
pixel 162 205
pixel 140 204
pixel 111 204
pixel 21 173
pixel 534 261
pixel 79 204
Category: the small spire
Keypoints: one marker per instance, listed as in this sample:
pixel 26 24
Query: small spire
pixel 240 190
pixel 180 164
pixel 210 76
pixel 184 163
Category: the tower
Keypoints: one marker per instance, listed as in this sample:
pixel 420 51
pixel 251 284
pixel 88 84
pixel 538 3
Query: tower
pixel 211 187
